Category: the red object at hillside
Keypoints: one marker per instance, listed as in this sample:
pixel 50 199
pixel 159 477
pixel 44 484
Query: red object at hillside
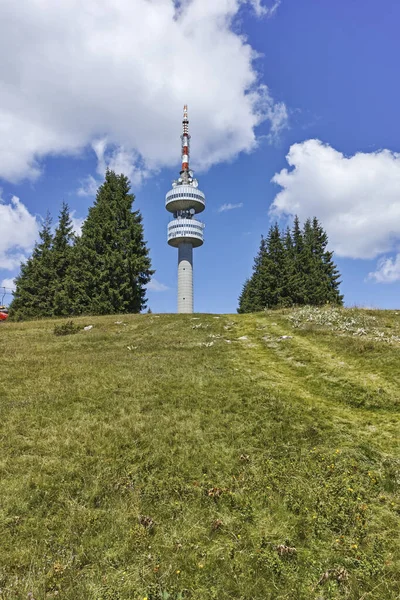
pixel 3 313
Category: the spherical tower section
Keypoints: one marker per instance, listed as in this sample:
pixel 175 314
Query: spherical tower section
pixel 185 231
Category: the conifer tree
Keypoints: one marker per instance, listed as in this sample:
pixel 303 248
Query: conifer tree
pixel 292 268
pixel 290 273
pixel 251 299
pixel 309 265
pixel 33 286
pixel 328 275
pixel 297 282
pixel 320 275
pixel 62 255
pixel 245 298
pixel 111 263
pixel 274 270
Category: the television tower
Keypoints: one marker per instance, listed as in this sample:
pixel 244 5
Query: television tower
pixel 185 232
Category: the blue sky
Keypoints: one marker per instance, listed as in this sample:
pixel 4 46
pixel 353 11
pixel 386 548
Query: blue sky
pixel 310 87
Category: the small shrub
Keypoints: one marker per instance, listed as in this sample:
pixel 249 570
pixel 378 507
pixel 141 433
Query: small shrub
pixel 67 328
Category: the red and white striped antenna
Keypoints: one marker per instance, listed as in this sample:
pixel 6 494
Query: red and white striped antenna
pixel 185 137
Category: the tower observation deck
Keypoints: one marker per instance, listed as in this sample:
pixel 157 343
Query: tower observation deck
pixel 185 231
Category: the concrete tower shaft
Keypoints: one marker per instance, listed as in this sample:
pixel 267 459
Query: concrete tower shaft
pixel 185 232
pixel 185 278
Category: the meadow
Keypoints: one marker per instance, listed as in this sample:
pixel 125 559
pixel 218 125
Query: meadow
pixel 173 457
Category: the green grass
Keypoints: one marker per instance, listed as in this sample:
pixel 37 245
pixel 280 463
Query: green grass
pixel 229 449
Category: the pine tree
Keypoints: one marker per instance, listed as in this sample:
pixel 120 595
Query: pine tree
pixel 329 276
pixel 111 263
pixel 274 270
pixel 320 275
pixel 251 298
pixel 62 255
pixel 256 290
pixel 292 268
pixel 309 266
pixel 297 281
pixel 33 295
pixel 245 298
pixel 288 245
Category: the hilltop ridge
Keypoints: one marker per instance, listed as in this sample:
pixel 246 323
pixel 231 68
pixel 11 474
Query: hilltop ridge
pixel 202 456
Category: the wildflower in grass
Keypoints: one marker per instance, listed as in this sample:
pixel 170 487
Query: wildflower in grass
pixel 178 572
pixel 58 567
pixel 201 566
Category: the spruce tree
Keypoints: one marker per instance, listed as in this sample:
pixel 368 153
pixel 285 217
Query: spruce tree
pixel 111 266
pixel 274 270
pixel 288 245
pixel 33 296
pixel 320 275
pixel 292 268
pixel 62 255
pixel 297 281
pixel 252 297
pixel 328 276
pixel 246 298
pixel 310 269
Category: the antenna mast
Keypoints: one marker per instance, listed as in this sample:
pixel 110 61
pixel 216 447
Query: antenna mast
pixel 185 138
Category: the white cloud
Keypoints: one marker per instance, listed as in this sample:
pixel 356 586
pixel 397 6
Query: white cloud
pixel 388 270
pixel 261 10
pixel 117 159
pixel 120 160
pixel 357 198
pixel 156 286
pixel 18 232
pixel 9 284
pixel 229 206
pixel 275 112
pixel 271 11
pixel 88 186
pixel 76 223
pixel 120 72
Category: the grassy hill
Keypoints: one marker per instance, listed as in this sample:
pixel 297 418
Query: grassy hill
pixel 202 457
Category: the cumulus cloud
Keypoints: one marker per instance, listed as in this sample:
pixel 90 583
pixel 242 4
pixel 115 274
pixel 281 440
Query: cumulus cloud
pixel 388 270
pixel 120 160
pixel 116 158
pixel 357 198
pixel 88 186
pixel 77 223
pixel 120 72
pixel 18 232
pixel 156 286
pixel 229 206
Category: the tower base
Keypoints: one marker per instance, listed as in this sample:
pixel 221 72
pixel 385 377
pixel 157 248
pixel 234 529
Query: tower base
pixel 185 278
